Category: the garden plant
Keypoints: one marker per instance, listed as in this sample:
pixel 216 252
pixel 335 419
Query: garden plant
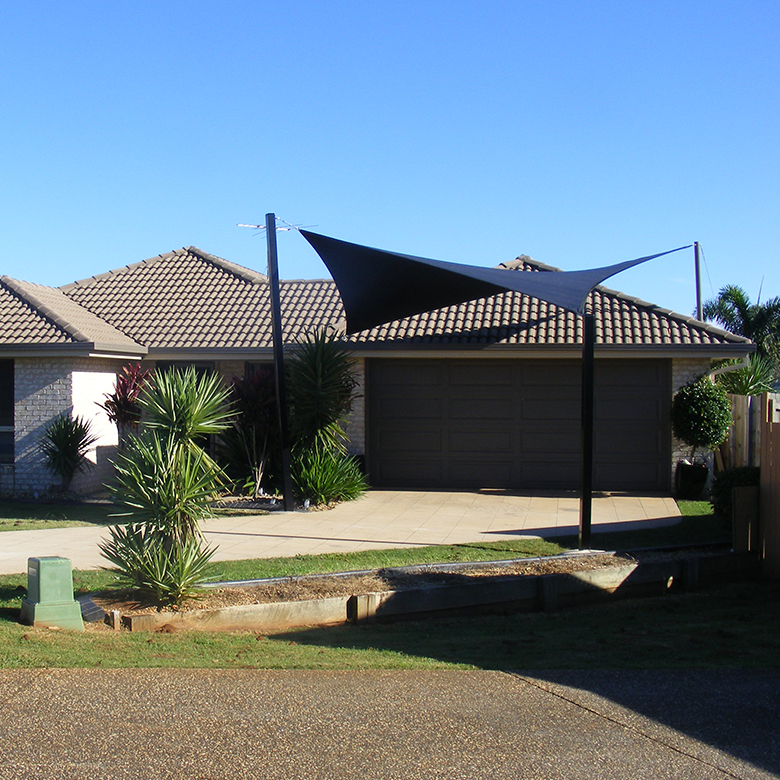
pixel 65 444
pixel 165 481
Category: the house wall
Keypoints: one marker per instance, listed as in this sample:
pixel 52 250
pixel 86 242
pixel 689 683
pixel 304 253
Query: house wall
pixel 91 381
pixel 43 389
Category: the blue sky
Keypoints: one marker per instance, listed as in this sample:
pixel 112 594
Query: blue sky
pixel 580 133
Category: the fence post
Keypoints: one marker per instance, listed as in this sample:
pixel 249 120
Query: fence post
pixel 769 526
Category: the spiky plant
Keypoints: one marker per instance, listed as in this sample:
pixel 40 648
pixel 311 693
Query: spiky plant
pixel 321 383
pixel 166 484
pixel 185 405
pixel 755 378
pixel 65 444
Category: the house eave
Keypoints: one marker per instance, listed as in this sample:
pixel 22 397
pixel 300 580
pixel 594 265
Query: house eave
pixel 81 349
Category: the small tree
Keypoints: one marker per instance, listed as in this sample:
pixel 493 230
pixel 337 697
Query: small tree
pixel 65 444
pixel 701 414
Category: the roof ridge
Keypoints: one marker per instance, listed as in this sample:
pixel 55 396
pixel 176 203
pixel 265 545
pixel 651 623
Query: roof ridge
pixel 65 288
pixel 237 270
pixel 17 287
pixel 513 265
pixel 247 274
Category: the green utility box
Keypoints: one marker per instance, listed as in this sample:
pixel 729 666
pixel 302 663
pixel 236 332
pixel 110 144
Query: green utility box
pixel 50 602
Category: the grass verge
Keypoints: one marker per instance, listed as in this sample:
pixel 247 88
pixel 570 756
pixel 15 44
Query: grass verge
pixel 729 627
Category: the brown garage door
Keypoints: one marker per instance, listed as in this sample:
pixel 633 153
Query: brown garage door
pixel 515 423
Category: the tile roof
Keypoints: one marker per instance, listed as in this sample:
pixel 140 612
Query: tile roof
pixel 190 300
pixel 35 315
pixel 514 319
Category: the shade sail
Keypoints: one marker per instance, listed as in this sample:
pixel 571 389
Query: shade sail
pixel 378 286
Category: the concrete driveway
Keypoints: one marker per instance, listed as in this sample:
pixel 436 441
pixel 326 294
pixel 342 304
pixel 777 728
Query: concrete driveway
pixel 73 724
pixel 381 519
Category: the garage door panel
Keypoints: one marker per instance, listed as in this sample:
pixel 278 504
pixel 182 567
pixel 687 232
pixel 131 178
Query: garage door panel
pixel 516 423
pixel 410 472
pixel 482 374
pixel 549 442
pixel 411 440
pixel 481 472
pixel 410 407
pixel 480 442
pixel 481 409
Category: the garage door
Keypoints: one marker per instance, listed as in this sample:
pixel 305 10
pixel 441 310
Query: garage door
pixel 515 424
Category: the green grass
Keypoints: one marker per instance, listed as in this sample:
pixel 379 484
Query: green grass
pixel 33 516
pixel 730 627
pixel 39 515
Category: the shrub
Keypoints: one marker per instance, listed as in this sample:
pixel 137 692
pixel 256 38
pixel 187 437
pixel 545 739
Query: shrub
pixel 323 475
pixel 164 574
pixel 723 484
pixel 701 414
pixel 253 436
pixel 320 383
pixel 65 444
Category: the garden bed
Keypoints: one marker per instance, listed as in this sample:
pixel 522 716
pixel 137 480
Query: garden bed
pixel 418 591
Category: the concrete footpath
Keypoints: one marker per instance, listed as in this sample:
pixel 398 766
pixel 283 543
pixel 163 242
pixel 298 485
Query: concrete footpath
pixel 381 519
pixel 58 724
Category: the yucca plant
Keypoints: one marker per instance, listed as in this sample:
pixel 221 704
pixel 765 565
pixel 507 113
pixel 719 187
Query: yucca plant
pixel 184 405
pixel 321 384
pixel 755 378
pixel 166 484
pixel 160 573
pixel 324 475
pixel 65 444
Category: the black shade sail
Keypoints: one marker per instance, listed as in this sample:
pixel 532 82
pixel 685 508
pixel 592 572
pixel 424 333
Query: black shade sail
pixel 378 286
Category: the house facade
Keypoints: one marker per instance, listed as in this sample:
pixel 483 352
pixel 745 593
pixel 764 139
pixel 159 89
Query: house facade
pixel 483 394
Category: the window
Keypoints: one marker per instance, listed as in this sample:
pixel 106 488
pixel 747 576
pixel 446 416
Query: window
pixel 6 411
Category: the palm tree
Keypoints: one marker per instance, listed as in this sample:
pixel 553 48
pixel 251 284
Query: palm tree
pixel 759 322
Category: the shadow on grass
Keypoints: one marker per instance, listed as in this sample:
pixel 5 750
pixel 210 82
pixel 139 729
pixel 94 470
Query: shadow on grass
pixel 704 663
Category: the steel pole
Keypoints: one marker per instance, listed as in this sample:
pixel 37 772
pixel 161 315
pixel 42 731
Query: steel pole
pixel 281 388
pixel 586 461
pixel 699 313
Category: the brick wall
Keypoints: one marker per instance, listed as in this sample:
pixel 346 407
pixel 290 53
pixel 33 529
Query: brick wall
pixel 356 420
pixel 41 392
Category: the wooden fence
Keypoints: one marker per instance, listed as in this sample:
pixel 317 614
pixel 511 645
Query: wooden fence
pixel 769 495
pixel 743 444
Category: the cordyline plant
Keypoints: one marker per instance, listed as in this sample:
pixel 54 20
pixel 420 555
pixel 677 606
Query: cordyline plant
pixel 122 406
pixel 253 435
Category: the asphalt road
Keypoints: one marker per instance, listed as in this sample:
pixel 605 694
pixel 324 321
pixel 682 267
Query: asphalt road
pixel 200 724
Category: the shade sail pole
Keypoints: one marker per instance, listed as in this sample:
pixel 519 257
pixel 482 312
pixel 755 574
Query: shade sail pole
pixel 281 387
pixel 586 460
